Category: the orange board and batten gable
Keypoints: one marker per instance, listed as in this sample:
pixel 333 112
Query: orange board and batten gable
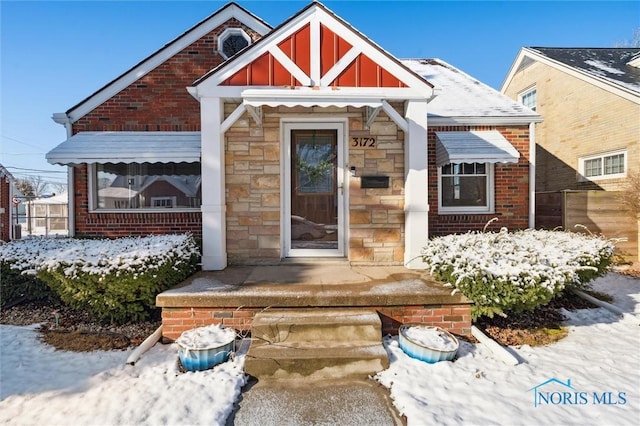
pixel 266 70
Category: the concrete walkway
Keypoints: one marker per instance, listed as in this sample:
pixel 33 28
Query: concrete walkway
pixel 306 402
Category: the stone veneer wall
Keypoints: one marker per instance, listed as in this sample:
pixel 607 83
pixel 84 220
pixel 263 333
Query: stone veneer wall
pixel 253 179
pixel 454 318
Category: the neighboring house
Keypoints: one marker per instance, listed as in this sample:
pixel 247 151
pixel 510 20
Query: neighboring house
pixel 304 140
pixel 47 216
pixel 588 146
pixel 6 204
pixel 590 101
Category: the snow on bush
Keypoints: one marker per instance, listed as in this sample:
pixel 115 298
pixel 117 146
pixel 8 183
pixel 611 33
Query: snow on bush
pixel 115 279
pixel 516 271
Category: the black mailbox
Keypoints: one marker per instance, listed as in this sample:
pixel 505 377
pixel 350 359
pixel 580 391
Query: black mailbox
pixel 374 182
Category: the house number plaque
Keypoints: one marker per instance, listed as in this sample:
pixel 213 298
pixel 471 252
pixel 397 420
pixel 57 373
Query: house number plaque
pixel 363 142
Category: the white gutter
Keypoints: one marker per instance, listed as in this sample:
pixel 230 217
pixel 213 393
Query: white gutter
pixel 145 346
pixel 62 118
pixel 532 175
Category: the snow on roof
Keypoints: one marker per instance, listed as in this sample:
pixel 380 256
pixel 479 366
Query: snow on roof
pixel 56 199
pixel 615 65
pixel 461 99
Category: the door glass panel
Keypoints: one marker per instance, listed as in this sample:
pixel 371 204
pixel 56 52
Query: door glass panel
pixel 314 207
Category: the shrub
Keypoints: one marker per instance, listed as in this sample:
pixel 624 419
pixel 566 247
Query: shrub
pixel 516 271
pixel 16 287
pixel 18 281
pixel 113 280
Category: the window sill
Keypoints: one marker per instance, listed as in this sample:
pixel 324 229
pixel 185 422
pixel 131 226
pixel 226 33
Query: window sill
pixel 464 212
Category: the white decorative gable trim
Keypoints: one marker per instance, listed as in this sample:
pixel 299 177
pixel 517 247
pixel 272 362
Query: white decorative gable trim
pixel 229 11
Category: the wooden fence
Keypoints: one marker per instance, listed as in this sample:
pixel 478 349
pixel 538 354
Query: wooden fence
pixel 599 211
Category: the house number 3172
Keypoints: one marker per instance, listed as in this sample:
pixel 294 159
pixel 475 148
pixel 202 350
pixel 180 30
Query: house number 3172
pixel 363 142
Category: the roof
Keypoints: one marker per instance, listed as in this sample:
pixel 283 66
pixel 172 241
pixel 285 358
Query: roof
pixel 614 69
pixel 4 173
pixel 461 99
pixel 127 147
pixel 56 199
pixel 611 64
pixel 228 11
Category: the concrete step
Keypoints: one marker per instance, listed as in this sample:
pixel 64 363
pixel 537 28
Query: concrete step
pixel 316 324
pixel 316 343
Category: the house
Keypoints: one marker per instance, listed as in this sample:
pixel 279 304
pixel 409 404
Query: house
pixel 590 138
pixel 47 216
pixel 303 140
pixel 6 204
pixel 590 101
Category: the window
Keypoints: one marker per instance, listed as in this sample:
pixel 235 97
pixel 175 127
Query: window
pixel 604 166
pixel 466 188
pixel 231 41
pixel 138 186
pixel 529 99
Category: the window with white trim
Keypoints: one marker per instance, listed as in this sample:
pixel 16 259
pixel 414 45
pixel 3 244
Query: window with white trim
pixel 603 166
pixel 231 41
pixel 140 186
pixel 465 188
pixel 529 98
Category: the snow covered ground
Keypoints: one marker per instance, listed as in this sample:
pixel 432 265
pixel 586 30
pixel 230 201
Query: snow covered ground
pixel 592 377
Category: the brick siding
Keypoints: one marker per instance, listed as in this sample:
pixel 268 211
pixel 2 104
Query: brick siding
pixel 454 318
pixel 511 188
pixel 580 119
pixel 157 101
pixel 5 203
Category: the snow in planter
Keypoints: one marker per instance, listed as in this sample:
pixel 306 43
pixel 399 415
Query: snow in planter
pixel 431 337
pixel 208 337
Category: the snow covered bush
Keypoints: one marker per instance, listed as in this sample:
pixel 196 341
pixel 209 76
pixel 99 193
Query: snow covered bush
pixel 114 280
pixel 517 271
pixel 16 287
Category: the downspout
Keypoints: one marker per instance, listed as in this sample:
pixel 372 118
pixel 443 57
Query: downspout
pixel 532 175
pixel 63 118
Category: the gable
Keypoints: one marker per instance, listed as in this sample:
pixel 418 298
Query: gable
pixel 607 69
pixel 313 49
pixel 231 11
pixel 360 71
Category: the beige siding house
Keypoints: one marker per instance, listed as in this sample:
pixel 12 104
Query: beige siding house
pixel 588 145
pixel 590 102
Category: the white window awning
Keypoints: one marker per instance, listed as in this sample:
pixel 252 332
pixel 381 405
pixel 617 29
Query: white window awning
pixel 474 147
pixel 127 147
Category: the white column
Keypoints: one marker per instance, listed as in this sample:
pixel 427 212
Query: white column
pixel 416 205
pixel 214 238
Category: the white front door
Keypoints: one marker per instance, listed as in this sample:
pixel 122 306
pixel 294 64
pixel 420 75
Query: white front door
pixel 313 194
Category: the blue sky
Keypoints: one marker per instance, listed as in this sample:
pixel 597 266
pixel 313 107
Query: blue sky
pixel 56 53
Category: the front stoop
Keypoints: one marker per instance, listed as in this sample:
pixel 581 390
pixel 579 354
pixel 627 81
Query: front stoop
pixel 316 343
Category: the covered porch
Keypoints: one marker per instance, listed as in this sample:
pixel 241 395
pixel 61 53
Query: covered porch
pixel 233 297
